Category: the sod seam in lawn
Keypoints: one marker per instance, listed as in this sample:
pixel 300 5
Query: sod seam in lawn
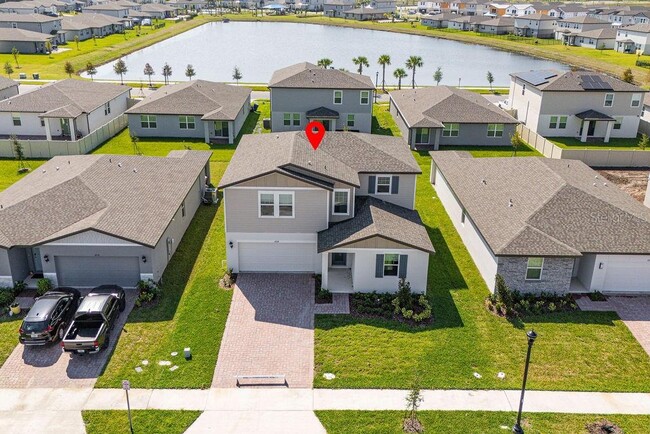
pixel 144 421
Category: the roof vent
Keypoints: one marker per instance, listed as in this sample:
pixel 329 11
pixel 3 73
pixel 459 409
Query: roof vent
pixel 309 163
pixel 277 136
pixel 595 184
pixel 44 170
pixel 510 204
pixel 484 182
pixel 119 164
pixel 135 170
pixel 605 184
pixel 57 168
pixel 110 160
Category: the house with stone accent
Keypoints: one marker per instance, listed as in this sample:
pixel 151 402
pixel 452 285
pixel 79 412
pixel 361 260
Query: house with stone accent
pixel 545 224
pixel 344 210
pixel 580 104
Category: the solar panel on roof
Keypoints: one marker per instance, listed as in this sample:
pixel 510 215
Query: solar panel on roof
pixel 594 82
pixel 536 77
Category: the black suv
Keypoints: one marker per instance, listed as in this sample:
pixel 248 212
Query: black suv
pixel 47 320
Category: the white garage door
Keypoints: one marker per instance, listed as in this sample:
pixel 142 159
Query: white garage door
pixel 627 273
pixel 277 257
pixel 97 270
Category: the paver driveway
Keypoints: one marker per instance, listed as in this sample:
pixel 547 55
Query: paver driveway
pixel 48 366
pixel 270 330
pixel 635 313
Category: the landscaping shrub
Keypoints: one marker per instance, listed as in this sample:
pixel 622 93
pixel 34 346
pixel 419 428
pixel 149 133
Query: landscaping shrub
pixel 597 296
pixel 42 286
pixel 148 291
pixel 323 296
pixel 403 306
pixel 603 426
pixel 6 298
pixel 19 286
pixel 228 279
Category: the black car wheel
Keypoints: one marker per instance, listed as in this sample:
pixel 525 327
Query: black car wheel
pixel 122 305
pixel 106 343
pixel 60 332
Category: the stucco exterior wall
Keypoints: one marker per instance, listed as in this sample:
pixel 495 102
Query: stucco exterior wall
pixel 166 126
pixel 556 274
pixel 406 192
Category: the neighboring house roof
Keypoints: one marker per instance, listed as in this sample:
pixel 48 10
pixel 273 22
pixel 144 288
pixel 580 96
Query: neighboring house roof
pixel 27 18
pixel 431 107
pixel 536 17
pixel 213 101
pixel 106 7
pixel 309 76
pixel 88 21
pixel 19 5
pixel 605 33
pixel 574 81
pixel 156 7
pixel 583 19
pixel 73 95
pixel 534 206
pixel 445 16
pixel 341 156
pixel 572 8
pixel 370 11
pixel 111 194
pixel 500 22
pixel 377 218
pixel 471 19
pixel 6 83
pixel 20 35
pixel 641 28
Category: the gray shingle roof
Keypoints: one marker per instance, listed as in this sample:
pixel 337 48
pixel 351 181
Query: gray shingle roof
pixel 113 194
pixel 7 83
pixel 27 18
pixel 641 28
pixel 322 112
pixel 376 218
pixel 106 7
pixel 500 22
pixel 20 35
pixel 431 107
pixel 308 75
pixel 593 115
pixel 76 95
pixel 569 81
pixel 341 156
pixel 213 101
pixel 88 21
pixel 605 33
pixel 584 19
pixel 559 207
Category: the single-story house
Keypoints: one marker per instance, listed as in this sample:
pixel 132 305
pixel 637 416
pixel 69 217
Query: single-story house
pixel 345 211
pixel 545 224
pixel 467 22
pixel 85 26
pixel 198 108
pixel 160 11
pixel 443 115
pixel 8 88
pixel 88 220
pixel 497 26
pixel 601 39
pixel 438 21
pixel 64 110
pixel 26 41
pixel 110 9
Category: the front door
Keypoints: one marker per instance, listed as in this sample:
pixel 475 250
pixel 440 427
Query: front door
pixel 65 127
pixel 36 258
pixel 591 129
pixel 327 123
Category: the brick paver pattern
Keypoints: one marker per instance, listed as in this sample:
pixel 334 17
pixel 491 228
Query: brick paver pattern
pixel 269 331
pixel 48 366
pixel 340 305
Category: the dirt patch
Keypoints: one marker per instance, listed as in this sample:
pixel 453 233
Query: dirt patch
pixel 633 182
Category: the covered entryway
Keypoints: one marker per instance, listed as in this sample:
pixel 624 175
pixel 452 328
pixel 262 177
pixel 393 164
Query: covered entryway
pixel 88 271
pixel 627 274
pixel 277 257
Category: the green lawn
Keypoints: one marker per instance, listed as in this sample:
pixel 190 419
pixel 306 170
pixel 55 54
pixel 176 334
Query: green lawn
pixel 463 422
pixel 494 151
pixel 8 335
pixel 383 122
pixel 9 171
pixel 574 351
pixel 615 143
pixel 144 421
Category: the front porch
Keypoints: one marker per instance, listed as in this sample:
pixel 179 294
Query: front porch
pixel 594 125
pixel 337 272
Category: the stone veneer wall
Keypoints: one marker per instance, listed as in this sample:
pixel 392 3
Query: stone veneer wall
pixel 556 274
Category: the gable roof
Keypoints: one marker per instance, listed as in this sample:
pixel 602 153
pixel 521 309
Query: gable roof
pixel 570 81
pixel 6 83
pixel 77 96
pixel 376 218
pixel 500 22
pixel 584 19
pixel 641 28
pixel 111 194
pixel 341 156
pixel 534 206
pixel 604 33
pixel 27 18
pixel 88 21
pixel 536 17
pixel 106 7
pixel 213 101
pixel 431 107
pixel 308 75
pixel 20 35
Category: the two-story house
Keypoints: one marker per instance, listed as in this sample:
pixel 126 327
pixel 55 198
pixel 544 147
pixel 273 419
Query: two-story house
pixel 305 92
pixel 535 25
pixel 567 29
pixel 568 11
pixel 581 104
pixel 633 39
pixel 344 210
pixel 34 23
pixel 336 8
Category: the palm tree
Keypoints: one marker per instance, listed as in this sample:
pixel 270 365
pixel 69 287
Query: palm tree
pixel 190 72
pixel 325 63
pixel 399 74
pixel 148 71
pixel 383 60
pixel 91 70
pixel 167 72
pixel 48 47
pixel 361 61
pixel 120 69
pixel 414 62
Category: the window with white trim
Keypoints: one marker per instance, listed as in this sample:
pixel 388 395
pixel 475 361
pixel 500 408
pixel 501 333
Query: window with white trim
pixel 338 97
pixel 148 121
pixel 187 122
pixel 558 122
pixel 636 100
pixel 391 264
pixel 421 136
pixel 107 108
pixel 495 130
pixel 350 122
pixel 618 122
pixel 276 204
pixel 384 184
pixel 15 118
pixel 291 119
pixel 609 100
pixel 364 97
pixel 341 203
pixel 534 268
pixel 451 130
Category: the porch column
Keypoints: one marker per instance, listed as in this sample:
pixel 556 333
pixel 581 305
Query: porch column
pixel 436 143
pixel 325 263
pixel 610 125
pixel 48 132
pixel 206 129
pixel 73 130
pixel 585 129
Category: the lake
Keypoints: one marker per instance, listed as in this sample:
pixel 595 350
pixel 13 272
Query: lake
pixel 259 48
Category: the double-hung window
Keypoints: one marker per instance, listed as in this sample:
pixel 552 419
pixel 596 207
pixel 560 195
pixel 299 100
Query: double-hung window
pixel 291 119
pixel 421 136
pixel 364 97
pixel 618 122
pixel 187 122
pixel 107 108
pixel 558 122
pixel 383 184
pixel 148 121
pixel 609 100
pixel 350 122
pixel 276 204
pixel 451 130
pixel 338 97
pixel 391 264
pixel 534 268
pixel 341 202
pixel 495 130
pixel 636 100
pixel 15 117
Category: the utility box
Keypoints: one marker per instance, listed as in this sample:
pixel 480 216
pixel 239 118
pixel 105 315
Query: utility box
pixel 267 123
pixel 36 76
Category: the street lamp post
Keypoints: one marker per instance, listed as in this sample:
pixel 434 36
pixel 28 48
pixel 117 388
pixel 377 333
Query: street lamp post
pixel 531 339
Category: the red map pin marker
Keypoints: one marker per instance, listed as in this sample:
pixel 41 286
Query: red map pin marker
pixel 315 132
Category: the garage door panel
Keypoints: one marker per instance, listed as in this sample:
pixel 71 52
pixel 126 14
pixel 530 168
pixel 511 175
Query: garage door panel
pixel 277 257
pixel 627 274
pixel 97 270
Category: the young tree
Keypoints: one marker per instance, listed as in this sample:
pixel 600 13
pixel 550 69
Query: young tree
pixel 644 142
pixel 15 53
pixel 437 76
pixel 361 61
pixel 236 74
pixel 9 69
pixel 384 60
pixel 18 152
pixel 134 143
pixel 517 142
pixel 69 69
pixel 490 79
pixel 399 74
pixel 120 69
pixel 76 41
pixel 325 63
pixel 414 62
pixel 166 72
pixel 628 77
pixel 148 71
pixel 91 70
pixel 48 47
pixel 413 400
pixel 95 40
pixel 190 72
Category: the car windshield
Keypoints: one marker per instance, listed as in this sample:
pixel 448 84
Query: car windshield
pixel 34 326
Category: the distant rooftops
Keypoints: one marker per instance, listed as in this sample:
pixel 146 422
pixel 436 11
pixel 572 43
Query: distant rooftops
pixel 308 75
pixel 574 81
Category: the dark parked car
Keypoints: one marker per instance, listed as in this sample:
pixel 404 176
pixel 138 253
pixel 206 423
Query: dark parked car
pixel 48 319
pixel 92 324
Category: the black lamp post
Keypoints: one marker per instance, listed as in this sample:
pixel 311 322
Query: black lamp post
pixel 531 339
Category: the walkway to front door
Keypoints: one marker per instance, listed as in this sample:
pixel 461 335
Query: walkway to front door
pixel 269 331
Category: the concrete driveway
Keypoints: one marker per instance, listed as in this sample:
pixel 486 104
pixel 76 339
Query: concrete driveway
pixel 269 331
pixel 48 366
